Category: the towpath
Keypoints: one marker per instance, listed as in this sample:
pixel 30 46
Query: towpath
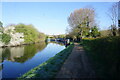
pixel 77 65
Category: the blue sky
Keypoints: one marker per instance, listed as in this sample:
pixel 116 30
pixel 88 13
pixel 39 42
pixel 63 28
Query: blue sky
pixel 50 17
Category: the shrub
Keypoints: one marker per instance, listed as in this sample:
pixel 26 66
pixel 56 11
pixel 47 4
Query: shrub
pixel 105 54
pixel 6 38
pixel 30 33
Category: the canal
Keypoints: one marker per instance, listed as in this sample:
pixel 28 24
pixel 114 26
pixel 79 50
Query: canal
pixel 15 61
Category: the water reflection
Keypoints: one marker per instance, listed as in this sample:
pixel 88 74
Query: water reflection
pixel 57 42
pixel 20 53
pixel 16 61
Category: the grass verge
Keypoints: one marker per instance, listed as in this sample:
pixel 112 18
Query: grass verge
pixel 105 55
pixel 49 68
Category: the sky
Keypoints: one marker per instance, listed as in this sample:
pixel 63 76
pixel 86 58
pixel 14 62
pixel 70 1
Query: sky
pixel 119 10
pixel 51 17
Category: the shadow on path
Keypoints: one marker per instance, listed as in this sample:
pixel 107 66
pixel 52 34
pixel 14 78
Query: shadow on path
pixel 76 65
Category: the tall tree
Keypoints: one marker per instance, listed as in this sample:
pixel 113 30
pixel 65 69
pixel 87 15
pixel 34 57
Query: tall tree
pixel 113 14
pixel 119 18
pixel 81 20
pixel 1 27
pixel 1 24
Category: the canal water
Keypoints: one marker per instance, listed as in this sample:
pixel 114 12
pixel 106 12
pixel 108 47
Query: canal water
pixel 15 61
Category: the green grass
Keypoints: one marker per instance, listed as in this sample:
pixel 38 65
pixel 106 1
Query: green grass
pixel 49 68
pixel 105 55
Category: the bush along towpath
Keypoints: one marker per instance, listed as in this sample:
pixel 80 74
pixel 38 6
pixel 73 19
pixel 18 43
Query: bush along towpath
pixel 50 68
pixel 105 56
pixel 76 65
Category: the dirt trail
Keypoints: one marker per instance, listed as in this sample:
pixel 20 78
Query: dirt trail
pixel 76 65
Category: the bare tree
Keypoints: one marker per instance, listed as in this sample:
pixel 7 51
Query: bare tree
pixel 119 18
pixel 113 14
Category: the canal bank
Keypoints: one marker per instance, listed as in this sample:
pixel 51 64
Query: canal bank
pixel 49 68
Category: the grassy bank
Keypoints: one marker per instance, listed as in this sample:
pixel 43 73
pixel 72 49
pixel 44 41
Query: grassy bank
pixel 105 55
pixel 49 68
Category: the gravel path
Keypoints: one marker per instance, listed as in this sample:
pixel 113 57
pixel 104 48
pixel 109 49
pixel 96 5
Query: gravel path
pixel 77 65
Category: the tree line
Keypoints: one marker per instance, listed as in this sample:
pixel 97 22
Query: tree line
pixel 83 23
pixel 13 33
